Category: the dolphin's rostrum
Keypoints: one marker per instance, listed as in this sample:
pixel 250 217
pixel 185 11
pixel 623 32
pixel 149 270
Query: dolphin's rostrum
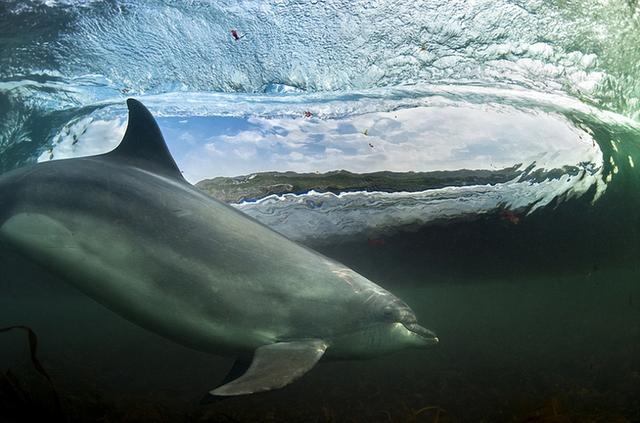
pixel 129 231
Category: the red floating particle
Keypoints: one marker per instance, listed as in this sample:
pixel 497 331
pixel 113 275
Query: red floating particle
pixel 510 217
pixel 375 242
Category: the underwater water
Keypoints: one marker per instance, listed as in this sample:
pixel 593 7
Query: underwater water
pixel 475 158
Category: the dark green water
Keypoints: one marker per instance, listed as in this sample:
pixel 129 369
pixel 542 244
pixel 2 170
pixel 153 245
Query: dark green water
pixel 511 344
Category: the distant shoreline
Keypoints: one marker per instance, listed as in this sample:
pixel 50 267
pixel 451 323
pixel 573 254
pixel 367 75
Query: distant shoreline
pixel 259 185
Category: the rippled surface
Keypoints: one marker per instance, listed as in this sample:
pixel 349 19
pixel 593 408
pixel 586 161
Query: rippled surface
pixel 324 45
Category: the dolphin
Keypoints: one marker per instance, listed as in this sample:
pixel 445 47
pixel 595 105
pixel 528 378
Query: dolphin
pixel 129 231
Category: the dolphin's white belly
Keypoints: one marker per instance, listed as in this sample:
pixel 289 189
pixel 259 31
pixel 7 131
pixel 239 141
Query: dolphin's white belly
pixel 106 262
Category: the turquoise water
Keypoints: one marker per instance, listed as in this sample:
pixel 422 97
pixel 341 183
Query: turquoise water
pixel 530 282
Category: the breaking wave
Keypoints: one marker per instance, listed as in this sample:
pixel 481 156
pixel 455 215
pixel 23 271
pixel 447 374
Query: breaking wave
pixel 365 86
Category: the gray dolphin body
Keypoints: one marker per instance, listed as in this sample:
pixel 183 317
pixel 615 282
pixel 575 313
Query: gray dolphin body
pixel 129 231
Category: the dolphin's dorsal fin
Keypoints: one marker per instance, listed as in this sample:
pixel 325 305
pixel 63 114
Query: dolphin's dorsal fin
pixel 274 366
pixel 143 144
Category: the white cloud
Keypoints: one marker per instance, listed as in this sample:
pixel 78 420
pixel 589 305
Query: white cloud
pixel 245 153
pixel 211 148
pixel 294 155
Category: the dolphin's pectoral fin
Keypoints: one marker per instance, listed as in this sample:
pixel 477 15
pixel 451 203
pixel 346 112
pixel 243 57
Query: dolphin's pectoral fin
pixel 274 366
pixel 240 366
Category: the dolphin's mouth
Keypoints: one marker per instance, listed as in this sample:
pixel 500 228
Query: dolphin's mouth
pixel 423 333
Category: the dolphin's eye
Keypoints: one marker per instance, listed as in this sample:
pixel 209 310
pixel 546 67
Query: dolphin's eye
pixel 387 313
